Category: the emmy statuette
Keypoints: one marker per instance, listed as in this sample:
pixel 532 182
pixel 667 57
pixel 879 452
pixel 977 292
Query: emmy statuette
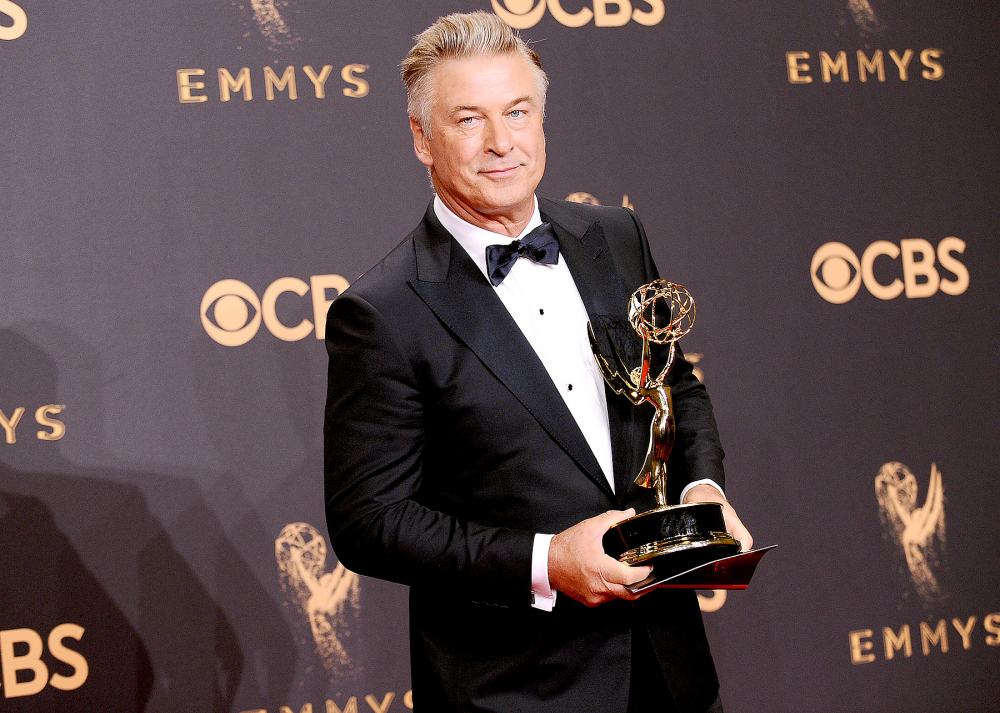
pixel 673 537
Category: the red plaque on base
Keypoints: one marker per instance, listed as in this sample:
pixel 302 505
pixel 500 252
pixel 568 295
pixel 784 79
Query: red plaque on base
pixel 733 572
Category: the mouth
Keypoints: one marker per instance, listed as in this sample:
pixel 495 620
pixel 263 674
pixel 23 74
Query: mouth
pixel 500 172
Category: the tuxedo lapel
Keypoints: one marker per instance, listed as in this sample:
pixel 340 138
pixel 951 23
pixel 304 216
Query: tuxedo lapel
pixel 451 285
pixel 605 296
pixel 585 247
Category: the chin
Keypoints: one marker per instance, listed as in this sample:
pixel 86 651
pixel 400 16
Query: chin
pixel 507 196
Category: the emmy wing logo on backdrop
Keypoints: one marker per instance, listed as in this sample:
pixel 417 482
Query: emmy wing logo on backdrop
pixel 864 16
pixel 270 23
pixel 918 530
pixel 268 18
pixel 522 14
pixel 591 199
pixel 862 65
pixel 328 600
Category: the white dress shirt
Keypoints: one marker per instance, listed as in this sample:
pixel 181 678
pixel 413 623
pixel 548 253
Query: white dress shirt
pixel 545 303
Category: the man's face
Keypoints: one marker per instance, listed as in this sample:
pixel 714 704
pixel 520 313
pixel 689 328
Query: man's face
pixel 487 153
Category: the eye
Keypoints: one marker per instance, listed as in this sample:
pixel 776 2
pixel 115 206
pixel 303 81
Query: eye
pixel 467 121
pixel 230 312
pixel 517 114
pixel 836 272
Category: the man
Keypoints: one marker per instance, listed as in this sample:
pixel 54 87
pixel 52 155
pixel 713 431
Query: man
pixel 466 422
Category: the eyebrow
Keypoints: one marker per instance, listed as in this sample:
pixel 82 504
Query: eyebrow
pixel 512 104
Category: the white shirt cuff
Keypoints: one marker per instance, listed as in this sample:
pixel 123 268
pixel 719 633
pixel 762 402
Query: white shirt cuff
pixel 703 481
pixel 542 596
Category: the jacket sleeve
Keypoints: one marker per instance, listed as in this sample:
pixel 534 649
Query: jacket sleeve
pixel 697 452
pixel 374 432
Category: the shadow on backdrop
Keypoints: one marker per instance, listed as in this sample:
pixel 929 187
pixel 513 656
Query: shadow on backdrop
pixel 156 596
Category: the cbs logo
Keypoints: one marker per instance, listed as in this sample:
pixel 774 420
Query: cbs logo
pixel 522 14
pixel 231 312
pixel 29 658
pixel 18 20
pixel 837 273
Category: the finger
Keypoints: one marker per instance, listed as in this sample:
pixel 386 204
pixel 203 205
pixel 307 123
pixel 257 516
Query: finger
pixel 742 534
pixel 637 573
pixel 619 573
pixel 616 516
pixel 736 528
pixel 622 591
pixel 609 518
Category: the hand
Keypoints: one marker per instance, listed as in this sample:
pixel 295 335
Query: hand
pixel 579 567
pixel 708 494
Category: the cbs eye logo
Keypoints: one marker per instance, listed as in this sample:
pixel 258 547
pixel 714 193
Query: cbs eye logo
pixel 15 23
pixel 522 14
pixel 837 272
pixel 231 312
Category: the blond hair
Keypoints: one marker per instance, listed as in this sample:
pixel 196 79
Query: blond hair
pixel 457 36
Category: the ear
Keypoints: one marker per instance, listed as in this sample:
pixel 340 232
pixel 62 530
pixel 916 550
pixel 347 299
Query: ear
pixel 421 144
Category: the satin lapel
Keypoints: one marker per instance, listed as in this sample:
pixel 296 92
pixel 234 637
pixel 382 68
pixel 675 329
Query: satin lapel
pixel 605 296
pixel 457 292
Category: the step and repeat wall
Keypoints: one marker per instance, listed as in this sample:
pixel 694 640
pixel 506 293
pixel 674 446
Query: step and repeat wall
pixel 187 186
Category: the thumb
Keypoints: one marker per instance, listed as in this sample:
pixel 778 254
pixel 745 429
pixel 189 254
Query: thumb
pixel 613 517
pixel 620 573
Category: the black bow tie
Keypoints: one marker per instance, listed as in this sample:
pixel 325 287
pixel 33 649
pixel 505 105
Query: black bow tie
pixel 540 245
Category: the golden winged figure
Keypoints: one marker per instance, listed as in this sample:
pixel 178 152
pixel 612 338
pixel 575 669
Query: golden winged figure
pixel 661 313
pixel 322 596
pixel 918 530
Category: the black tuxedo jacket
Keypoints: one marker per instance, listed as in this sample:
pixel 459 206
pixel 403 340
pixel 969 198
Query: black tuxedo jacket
pixel 448 447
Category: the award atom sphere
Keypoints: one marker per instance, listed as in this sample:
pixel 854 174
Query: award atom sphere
pixel 682 535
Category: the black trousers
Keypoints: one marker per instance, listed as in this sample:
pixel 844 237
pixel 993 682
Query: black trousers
pixel 648 692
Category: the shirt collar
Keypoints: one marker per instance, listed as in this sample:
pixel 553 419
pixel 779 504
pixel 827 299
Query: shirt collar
pixel 473 239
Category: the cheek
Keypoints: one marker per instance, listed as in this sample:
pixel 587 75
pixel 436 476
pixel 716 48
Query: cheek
pixel 535 146
pixel 465 160
pixel 539 157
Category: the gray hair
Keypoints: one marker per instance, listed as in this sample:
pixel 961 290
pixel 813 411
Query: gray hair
pixel 458 36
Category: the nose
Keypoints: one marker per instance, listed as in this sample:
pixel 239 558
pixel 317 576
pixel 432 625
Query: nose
pixel 498 137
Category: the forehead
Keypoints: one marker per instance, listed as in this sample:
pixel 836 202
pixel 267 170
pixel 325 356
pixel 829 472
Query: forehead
pixel 483 81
